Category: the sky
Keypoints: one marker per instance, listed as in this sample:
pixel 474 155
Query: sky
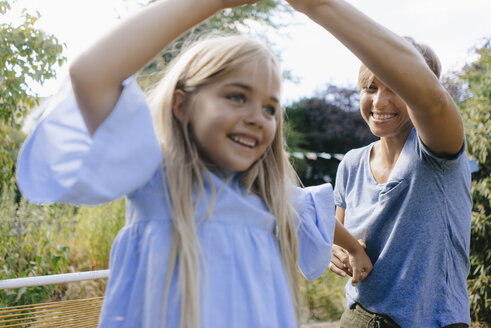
pixel 314 58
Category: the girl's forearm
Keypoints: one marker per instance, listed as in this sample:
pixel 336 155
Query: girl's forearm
pixel 98 72
pixel 344 239
pixel 138 39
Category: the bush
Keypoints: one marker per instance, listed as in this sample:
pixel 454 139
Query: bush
pixel 28 247
pixel 323 298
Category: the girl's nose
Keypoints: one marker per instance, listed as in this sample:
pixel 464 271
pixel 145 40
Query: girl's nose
pixel 255 115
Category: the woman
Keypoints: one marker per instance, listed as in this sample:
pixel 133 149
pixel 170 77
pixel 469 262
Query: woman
pixel 408 194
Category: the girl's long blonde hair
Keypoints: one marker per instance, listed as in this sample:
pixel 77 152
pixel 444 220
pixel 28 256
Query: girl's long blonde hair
pixel 271 177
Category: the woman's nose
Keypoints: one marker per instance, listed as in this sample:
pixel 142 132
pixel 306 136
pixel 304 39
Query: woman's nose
pixel 381 98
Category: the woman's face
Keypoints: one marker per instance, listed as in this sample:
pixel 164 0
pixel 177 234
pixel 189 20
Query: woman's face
pixel 384 111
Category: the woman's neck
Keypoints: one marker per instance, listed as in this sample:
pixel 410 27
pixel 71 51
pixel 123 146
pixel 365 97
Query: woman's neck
pixel 384 155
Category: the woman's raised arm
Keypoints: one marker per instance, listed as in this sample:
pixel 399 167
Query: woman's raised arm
pixel 398 65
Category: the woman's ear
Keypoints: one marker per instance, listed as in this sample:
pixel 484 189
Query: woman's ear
pixel 178 99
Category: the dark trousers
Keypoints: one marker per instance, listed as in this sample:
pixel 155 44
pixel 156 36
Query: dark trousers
pixel 358 317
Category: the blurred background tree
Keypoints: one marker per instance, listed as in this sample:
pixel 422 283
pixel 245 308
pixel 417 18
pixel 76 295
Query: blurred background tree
pixel 328 123
pixel 471 88
pixel 239 20
pixel 27 54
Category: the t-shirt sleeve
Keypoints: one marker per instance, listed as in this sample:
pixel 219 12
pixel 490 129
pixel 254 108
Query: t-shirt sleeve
pixel 440 162
pixel 340 186
pixel 61 162
pixel 316 231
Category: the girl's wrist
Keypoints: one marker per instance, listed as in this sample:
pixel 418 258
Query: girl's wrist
pixel 355 248
pixel 308 7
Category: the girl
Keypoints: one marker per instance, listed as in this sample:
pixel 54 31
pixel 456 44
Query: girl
pixel 407 194
pixel 212 237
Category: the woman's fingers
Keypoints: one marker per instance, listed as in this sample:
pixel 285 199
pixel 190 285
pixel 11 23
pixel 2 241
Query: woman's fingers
pixel 340 272
pixel 340 261
pixel 363 243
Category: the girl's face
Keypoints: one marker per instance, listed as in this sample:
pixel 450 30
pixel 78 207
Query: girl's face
pixel 384 111
pixel 234 118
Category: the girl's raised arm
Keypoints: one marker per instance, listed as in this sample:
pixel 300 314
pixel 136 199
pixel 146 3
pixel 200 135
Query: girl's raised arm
pixel 396 63
pixel 97 74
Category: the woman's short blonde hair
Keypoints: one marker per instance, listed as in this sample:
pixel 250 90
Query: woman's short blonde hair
pixel 365 76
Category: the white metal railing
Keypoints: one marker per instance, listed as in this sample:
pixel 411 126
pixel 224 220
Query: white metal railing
pixel 53 279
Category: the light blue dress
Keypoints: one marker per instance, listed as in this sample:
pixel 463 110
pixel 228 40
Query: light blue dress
pixel 243 283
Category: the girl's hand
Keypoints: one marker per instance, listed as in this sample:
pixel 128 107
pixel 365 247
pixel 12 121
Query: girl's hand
pixel 303 5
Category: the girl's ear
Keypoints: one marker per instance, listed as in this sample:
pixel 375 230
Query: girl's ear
pixel 178 99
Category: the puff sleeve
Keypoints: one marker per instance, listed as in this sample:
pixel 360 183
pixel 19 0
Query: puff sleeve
pixel 316 230
pixel 61 162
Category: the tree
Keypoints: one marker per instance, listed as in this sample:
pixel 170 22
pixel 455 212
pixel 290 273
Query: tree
pixel 473 94
pixel 471 89
pixel 228 21
pixel 26 54
pixel 329 122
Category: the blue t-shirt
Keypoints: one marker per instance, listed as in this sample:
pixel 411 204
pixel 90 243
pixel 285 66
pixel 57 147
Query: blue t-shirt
pixel 417 231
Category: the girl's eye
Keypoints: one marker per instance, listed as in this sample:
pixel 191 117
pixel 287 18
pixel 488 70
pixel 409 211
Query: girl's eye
pixel 238 98
pixel 270 110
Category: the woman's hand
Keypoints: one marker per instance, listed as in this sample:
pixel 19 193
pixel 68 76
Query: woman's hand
pixel 340 264
pixel 357 265
pixel 361 266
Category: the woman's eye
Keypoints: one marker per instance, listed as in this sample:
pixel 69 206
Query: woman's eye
pixel 237 97
pixel 270 110
pixel 371 88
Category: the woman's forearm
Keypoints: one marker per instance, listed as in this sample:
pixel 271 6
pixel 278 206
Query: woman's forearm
pixel 396 63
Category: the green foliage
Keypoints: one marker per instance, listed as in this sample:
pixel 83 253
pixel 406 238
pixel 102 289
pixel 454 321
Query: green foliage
pixel 474 96
pixel 26 54
pixel 235 19
pixel 324 297
pixel 230 21
pixel 329 122
pixel 28 246
pixel 95 229
pixel 40 240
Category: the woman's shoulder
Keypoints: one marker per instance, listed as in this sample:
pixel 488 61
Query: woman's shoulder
pixel 355 155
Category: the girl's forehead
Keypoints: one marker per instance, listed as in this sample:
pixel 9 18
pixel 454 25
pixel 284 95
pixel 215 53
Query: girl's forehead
pixel 258 75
